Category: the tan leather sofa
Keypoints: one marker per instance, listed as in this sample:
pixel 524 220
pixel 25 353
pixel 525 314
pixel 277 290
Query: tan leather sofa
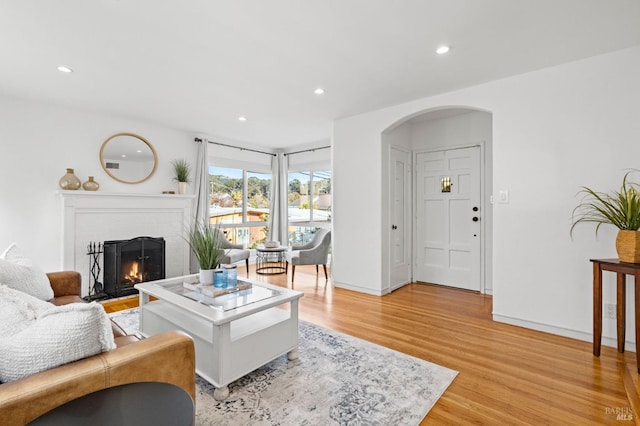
pixel 167 357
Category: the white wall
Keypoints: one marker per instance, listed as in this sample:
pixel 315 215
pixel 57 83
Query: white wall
pixel 357 203
pixel 553 131
pixel 38 142
pixel 231 156
pixel 316 160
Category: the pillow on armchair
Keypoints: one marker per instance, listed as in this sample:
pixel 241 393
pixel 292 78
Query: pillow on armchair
pixel 18 272
pixel 36 335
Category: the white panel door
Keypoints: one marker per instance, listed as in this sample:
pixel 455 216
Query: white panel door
pixel 448 216
pixel 400 218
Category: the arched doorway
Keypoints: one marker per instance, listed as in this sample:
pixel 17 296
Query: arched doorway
pixel 435 241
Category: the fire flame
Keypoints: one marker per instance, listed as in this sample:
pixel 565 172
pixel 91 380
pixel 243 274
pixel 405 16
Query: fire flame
pixel 134 275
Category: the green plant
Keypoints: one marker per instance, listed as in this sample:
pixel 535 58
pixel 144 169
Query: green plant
pixel 618 208
pixel 182 170
pixel 205 245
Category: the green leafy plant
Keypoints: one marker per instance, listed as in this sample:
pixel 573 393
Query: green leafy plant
pixel 205 244
pixel 618 208
pixel 182 170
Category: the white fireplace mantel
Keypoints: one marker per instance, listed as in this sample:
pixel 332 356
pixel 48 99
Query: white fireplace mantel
pixel 101 216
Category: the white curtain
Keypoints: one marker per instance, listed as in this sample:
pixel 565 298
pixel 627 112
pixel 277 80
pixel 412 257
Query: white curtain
pixel 201 182
pixel 279 206
pixel 201 208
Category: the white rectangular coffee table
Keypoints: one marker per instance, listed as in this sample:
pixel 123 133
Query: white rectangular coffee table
pixel 234 334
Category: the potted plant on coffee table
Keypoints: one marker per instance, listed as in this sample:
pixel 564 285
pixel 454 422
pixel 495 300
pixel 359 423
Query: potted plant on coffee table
pixel 618 208
pixel 205 245
pixel 182 170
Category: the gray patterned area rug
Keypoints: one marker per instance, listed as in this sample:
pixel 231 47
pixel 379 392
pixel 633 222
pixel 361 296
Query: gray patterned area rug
pixel 336 380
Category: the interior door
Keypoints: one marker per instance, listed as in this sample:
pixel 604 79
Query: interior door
pixel 448 218
pixel 400 218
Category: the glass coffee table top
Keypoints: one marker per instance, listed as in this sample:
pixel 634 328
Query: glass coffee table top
pixel 245 294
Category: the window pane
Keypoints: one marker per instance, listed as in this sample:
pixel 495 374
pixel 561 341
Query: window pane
pixel 298 203
pixel 299 235
pixel 321 196
pixel 258 196
pixel 249 237
pixel 226 194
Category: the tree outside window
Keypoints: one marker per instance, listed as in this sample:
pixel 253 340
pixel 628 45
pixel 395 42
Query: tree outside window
pixel 240 197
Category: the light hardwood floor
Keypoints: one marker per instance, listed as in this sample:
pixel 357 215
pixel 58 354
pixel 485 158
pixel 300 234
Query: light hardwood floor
pixel 507 375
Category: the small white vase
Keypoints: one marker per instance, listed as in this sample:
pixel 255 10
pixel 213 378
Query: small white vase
pixel 182 187
pixel 206 276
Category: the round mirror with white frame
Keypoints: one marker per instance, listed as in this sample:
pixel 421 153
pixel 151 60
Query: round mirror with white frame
pixel 128 158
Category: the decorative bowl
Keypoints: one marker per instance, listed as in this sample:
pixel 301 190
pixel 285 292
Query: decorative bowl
pixel 272 244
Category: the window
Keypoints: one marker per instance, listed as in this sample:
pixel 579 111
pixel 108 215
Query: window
pixel 258 196
pixel 309 201
pixel 239 204
pixel 298 197
pixel 321 206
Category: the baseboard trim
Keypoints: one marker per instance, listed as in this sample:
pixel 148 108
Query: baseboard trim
pixel 357 288
pixel 561 331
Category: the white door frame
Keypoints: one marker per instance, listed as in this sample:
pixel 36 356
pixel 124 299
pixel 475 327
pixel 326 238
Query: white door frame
pixel 483 204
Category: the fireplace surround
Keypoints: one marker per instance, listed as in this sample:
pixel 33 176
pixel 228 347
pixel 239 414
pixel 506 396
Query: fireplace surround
pixel 102 216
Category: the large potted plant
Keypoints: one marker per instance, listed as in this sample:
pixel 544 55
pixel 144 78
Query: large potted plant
pixel 618 208
pixel 205 245
pixel 182 170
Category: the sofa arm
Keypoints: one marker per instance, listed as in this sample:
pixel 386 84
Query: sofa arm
pixel 168 357
pixel 65 283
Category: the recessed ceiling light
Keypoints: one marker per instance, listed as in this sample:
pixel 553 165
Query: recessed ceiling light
pixel 242 118
pixel 62 68
pixel 442 50
pixel 319 91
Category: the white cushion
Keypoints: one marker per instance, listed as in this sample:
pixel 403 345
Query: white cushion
pixel 18 272
pixel 235 255
pixel 292 256
pixel 36 336
pixel 17 310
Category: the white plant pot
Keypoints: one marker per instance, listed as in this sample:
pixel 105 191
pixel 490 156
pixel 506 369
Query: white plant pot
pixel 206 276
pixel 182 187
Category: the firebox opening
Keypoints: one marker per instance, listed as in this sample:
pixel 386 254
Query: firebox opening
pixel 129 262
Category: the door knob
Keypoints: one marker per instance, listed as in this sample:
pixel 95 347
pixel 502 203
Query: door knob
pixel 475 209
pixel 394 227
pixel 475 218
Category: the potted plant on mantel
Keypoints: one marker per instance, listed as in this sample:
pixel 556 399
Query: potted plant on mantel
pixel 182 171
pixel 205 246
pixel 620 209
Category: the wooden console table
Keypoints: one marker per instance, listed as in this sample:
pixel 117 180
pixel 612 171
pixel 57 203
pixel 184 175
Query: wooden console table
pixel 621 269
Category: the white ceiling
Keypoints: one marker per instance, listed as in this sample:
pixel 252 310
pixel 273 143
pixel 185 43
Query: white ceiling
pixel 197 65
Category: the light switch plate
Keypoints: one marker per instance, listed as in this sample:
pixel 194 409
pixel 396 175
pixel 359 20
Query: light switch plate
pixel 503 196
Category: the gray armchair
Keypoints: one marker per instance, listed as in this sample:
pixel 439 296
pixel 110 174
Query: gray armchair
pixel 232 252
pixel 315 252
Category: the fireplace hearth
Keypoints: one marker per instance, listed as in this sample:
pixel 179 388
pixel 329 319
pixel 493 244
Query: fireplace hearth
pixel 129 262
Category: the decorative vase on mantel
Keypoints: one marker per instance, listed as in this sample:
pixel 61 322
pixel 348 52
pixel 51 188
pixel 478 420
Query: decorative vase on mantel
pixel 69 181
pixel 182 187
pixel 628 246
pixel 91 185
